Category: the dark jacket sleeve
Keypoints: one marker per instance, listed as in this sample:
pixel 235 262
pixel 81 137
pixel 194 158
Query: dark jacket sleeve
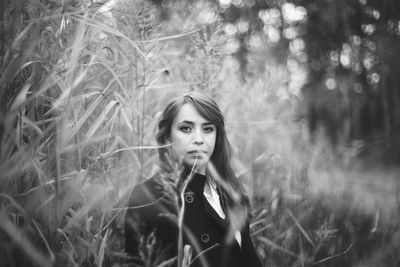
pixel 148 224
pixel 132 219
pixel 249 252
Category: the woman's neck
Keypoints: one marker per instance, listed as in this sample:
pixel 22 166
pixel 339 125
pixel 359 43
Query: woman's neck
pixel 200 170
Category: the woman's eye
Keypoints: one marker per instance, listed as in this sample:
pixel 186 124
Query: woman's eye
pixel 208 129
pixel 185 129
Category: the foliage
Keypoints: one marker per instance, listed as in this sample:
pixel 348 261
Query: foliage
pixel 82 85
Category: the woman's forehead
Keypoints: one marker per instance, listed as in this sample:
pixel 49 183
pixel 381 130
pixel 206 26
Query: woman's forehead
pixel 189 113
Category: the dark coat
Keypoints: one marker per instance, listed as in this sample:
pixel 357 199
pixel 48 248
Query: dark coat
pixel 152 210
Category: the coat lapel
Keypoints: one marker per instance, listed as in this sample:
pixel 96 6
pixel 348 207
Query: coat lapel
pixel 213 214
pixel 196 185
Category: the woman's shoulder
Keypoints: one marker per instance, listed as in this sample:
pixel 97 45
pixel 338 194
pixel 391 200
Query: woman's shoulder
pixel 149 191
pixel 143 192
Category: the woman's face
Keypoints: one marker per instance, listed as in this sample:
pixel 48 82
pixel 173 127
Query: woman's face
pixel 193 138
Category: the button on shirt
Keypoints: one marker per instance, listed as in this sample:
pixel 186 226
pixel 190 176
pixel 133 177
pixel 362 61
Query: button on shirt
pixel 213 199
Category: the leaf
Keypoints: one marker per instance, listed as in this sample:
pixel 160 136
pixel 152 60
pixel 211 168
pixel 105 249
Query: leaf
pixel 125 118
pixel 83 119
pixel 100 119
pixel 21 36
pixel 20 99
pixel 102 248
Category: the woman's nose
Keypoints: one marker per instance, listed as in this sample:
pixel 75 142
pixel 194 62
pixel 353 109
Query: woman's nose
pixel 198 137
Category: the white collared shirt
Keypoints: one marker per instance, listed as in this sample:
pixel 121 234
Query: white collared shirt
pixel 213 199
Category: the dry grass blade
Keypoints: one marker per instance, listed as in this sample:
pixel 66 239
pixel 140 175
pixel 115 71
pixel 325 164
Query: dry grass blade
pixel 334 256
pixel 14 203
pixel 85 96
pixel 75 253
pixel 106 28
pixel 22 242
pixel 117 79
pixel 181 215
pixel 77 46
pixel 203 252
pixel 83 118
pixel 26 121
pixel 261 229
pixel 84 211
pixel 20 99
pixel 67 91
pixel 187 256
pixel 133 148
pixel 171 86
pixel 21 36
pixel 300 227
pixel 171 37
pixel 100 119
pixel 13 165
pixel 66 94
pixel 275 246
pixel 167 263
pixel 125 118
pixel 84 143
pixel 48 247
pixel 102 248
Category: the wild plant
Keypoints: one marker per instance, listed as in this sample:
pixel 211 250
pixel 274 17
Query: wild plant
pixel 59 148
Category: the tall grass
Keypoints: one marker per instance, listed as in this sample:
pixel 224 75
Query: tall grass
pixel 62 174
pixel 81 91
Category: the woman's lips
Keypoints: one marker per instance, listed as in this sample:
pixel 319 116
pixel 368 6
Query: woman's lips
pixel 196 152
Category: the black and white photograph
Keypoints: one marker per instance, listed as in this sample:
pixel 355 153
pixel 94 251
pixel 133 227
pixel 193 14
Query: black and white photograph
pixel 200 133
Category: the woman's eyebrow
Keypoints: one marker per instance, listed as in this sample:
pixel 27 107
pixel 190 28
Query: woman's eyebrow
pixel 186 122
pixel 192 123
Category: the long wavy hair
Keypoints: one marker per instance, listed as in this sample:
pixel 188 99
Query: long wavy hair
pixel 221 155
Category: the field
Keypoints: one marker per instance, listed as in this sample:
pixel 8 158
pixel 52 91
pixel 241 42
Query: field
pixel 82 88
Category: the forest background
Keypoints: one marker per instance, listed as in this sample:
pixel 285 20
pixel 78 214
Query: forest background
pixel 309 89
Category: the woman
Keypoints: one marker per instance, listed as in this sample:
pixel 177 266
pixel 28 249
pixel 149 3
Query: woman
pixel 196 201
